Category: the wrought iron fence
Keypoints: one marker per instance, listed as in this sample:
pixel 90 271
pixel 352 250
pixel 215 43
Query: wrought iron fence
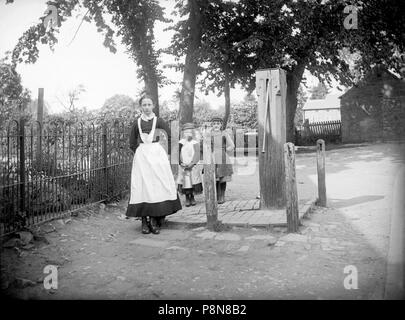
pixel 46 172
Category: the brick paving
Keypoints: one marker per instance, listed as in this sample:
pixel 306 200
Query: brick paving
pixel 239 213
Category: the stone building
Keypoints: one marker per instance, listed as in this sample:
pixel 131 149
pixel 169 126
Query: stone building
pixel 374 108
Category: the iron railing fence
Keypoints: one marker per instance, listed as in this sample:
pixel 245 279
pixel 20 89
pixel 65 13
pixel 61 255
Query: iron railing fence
pixel 47 172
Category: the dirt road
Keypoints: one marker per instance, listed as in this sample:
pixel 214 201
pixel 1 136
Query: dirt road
pixel 102 256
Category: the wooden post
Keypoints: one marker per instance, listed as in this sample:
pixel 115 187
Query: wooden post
pixel 271 89
pixel 174 146
pixel 21 147
pixel 40 119
pixel 105 161
pixel 320 157
pixel 291 188
pixel 40 106
pixel 210 191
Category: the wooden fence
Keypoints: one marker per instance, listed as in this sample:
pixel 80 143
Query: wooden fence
pixel 309 133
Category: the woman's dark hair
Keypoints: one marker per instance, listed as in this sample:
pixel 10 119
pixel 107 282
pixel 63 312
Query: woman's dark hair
pixel 146 96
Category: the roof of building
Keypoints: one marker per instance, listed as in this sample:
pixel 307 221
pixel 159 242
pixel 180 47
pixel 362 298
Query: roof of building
pixel 379 72
pixel 330 102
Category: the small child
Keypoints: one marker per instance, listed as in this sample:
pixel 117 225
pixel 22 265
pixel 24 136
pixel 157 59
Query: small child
pixel 189 177
pixel 223 170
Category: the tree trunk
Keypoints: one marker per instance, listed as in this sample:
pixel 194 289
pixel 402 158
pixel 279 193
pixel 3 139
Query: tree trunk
pixel 191 63
pixel 227 93
pixel 151 87
pixel 149 73
pixel 294 78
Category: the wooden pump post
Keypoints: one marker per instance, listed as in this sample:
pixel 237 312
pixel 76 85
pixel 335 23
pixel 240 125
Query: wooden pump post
pixel 271 89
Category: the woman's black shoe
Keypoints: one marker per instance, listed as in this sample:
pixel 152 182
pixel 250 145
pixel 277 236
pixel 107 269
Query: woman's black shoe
pixel 159 221
pixel 145 227
pixel 154 228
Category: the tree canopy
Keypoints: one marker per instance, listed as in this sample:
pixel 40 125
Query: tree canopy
pixel 320 91
pixel 310 35
pixel 14 98
pixel 225 42
pixel 135 23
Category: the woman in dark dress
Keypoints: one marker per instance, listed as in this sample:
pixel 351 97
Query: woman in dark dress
pixel 153 189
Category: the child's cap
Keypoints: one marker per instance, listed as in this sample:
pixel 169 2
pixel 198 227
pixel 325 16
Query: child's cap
pixel 188 125
pixel 216 119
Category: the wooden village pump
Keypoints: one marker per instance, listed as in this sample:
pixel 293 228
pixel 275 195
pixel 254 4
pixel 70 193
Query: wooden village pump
pixel 271 89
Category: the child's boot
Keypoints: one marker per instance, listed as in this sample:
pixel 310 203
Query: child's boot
pixel 223 187
pixel 192 200
pixel 218 190
pixel 188 202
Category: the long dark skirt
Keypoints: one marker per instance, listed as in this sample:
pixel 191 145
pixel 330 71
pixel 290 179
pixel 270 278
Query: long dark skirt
pixel 158 209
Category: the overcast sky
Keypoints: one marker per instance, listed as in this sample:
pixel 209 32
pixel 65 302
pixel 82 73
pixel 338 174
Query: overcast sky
pixel 85 60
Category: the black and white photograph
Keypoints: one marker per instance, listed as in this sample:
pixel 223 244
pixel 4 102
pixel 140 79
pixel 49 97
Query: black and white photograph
pixel 210 151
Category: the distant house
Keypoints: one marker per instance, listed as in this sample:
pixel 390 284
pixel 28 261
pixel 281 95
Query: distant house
pixel 319 110
pixel 374 109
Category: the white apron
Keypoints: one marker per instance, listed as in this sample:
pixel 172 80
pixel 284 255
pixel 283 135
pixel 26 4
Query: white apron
pixel 188 178
pixel 152 180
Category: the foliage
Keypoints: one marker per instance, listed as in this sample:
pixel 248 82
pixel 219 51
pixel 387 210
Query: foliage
pixel 134 19
pixel 73 96
pixel 244 114
pixel 228 40
pixel 301 100
pixel 14 98
pixel 167 114
pixel 287 33
pixel 203 113
pixel 320 91
pixel 296 35
pixel 119 106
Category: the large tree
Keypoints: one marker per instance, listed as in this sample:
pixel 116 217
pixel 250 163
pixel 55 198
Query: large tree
pixel 296 35
pixel 187 43
pixel 14 98
pixel 222 64
pixel 134 20
pixel 207 39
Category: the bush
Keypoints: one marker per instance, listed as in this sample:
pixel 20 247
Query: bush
pixel 48 197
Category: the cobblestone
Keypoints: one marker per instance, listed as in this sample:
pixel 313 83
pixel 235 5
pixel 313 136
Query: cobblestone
pixel 292 237
pixel 237 213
